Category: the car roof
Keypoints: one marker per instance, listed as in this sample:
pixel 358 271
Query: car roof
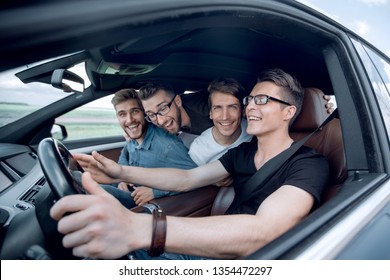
pixel 187 44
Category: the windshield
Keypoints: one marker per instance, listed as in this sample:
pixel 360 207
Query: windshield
pixel 18 100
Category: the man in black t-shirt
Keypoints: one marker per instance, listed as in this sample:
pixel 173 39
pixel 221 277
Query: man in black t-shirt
pixel 185 112
pixel 266 213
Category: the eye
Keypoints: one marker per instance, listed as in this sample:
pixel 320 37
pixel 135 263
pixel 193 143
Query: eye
pixel 150 115
pixel 234 107
pixel 163 108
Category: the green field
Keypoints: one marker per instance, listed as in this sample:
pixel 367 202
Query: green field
pixel 80 123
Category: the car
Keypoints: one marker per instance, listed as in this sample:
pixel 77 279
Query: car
pixel 80 52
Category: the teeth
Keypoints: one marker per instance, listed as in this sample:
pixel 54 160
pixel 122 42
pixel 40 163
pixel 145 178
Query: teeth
pixel 169 123
pixel 225 124
pixel 133 127
pixel 252 118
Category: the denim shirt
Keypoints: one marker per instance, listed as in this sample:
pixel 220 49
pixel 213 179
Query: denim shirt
pixel 158 149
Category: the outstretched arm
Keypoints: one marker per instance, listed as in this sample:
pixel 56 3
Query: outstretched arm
pixel 101 227
pixel 107 171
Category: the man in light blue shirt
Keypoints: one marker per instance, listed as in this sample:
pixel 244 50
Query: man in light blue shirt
pixel 147 146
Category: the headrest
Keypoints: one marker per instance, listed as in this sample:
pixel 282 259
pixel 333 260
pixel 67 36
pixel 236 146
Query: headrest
pixel 313 111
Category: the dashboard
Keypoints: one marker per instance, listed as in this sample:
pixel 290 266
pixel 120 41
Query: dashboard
pixel 21 178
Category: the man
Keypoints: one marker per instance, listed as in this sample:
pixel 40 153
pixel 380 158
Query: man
pixel 187 113
pixel 147 146
pixel 229 129
pixel 174 112
pixel 267 213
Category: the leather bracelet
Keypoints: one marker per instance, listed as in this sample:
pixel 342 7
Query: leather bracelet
pixel 159 233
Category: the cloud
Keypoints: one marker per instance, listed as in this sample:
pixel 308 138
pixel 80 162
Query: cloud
pixel 375 2
pixel 362 27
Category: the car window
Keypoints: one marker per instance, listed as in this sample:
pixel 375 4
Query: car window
pixel 378 70
pixel 95 119
pixel 18 99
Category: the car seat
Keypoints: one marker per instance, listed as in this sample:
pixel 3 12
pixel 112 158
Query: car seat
pixel 327 141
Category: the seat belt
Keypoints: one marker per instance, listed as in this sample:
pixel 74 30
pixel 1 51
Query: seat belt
pixel 270 167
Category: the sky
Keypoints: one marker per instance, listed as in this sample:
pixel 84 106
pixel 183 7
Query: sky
pixel 368 18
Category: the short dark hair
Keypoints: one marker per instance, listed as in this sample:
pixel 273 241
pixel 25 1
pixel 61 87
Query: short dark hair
pixel 151 88
pixel 291 86
pixel 226 85
pixel 124 95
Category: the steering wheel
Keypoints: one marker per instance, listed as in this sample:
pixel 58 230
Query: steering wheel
pixel 61 170
pixel 63 175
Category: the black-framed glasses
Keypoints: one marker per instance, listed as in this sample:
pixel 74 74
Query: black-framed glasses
pixel 165 109
pixel 262 99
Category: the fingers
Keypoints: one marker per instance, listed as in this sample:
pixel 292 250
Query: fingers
pixel 101 159
pixel 90 185
pixel 75 203
pixel 142 195
pixel 123 186
pixel 84 160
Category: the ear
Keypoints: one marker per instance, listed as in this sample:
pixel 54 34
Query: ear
pixel 290 112
pixel 178 101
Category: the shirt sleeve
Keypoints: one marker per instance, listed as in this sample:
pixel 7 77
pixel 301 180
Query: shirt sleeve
pixel 124 156
pixel 310 174
pixel 177 156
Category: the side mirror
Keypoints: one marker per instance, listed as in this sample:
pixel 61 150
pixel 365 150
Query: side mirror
pixel 67 81
pixel 58 131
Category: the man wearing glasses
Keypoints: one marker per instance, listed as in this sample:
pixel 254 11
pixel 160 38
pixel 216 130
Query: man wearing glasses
pixel 175 113
pixel 263 215
pixel 187 113
pixel 148 146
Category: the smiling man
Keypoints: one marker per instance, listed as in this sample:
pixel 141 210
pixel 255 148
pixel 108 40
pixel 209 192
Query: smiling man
pixel 229 128
pixel 148 146
pixel 261 216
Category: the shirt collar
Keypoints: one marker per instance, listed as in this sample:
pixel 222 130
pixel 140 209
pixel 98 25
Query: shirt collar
pixel 147 142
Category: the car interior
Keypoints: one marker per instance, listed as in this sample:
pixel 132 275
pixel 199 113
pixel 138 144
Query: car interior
pixel 189 51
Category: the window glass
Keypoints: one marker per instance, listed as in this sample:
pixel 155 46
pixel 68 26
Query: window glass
pixel 95 119
pixel 378 70
pixel 18 99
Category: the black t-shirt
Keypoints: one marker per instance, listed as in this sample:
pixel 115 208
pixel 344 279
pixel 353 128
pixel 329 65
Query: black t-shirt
pixel 197 108
pixel 305 169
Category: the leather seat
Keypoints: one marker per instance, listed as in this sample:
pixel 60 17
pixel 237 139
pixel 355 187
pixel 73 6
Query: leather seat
pixel 327 141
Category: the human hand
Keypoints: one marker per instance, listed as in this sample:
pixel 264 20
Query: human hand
pixel 102 169
pixel 98 226
pixel 225 182
pixel 329 105
pixel 142 195
pixel 124 186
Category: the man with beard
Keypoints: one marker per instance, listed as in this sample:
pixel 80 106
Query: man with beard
pixel 147 146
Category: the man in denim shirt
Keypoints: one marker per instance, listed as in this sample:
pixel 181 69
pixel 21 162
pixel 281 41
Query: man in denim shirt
pixel 147 146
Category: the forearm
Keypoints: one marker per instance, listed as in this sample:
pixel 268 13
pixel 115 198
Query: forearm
pixel 166 179
pixel 215 237
pixel 172 179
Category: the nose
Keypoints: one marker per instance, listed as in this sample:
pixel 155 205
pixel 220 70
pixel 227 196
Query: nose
pixel 160 120
pixel 251 103
pixel 129 118
pixel 251 106
pixel 225 113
